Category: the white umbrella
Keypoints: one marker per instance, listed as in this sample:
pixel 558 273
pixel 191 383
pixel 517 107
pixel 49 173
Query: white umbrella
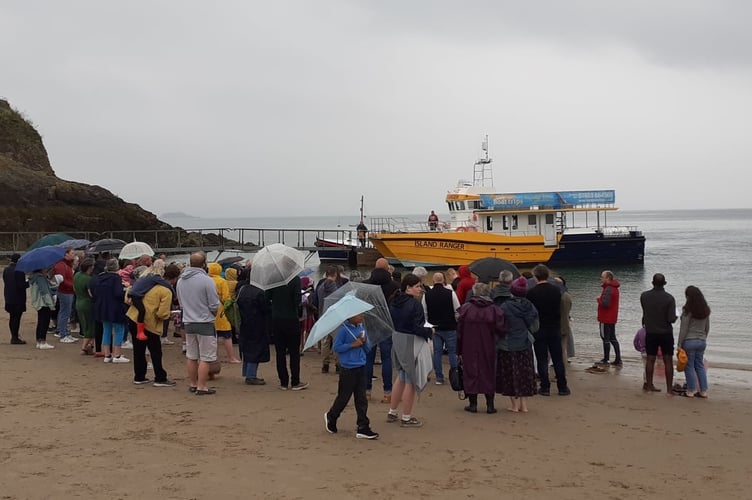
pixel 276 265
pixel 135 249
pixel 378 320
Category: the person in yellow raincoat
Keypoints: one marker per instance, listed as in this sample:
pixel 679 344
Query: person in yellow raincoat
pixel 222 324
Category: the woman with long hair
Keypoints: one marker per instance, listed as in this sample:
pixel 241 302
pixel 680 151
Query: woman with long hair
pixel 693 332
pixel 408 338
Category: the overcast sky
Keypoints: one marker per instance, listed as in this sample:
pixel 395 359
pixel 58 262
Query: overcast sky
pixel 264 108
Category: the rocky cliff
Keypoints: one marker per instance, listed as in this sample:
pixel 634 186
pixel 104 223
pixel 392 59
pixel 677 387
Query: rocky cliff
pixel 32 198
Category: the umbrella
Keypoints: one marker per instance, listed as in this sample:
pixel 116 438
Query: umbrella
pixel 276 265
pixel 50 240
pixel 487 269
pixel 378 321
pixel 345 308
pixel 229 260
pixel 135 249
pixel 40 258
pixel 75 244
pixel 106 245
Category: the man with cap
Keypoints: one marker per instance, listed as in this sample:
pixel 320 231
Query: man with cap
pixel 658 316
pixel 14 290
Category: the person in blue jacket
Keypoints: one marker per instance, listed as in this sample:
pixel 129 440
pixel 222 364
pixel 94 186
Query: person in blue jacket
pixel 352 346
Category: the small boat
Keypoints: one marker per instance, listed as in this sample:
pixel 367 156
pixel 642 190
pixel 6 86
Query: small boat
pixel 564 227
pixel 333 251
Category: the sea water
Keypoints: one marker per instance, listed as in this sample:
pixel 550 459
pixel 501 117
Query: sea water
pixel 710 249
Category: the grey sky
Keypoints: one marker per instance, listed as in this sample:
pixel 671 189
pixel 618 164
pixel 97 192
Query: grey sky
pixel 246 108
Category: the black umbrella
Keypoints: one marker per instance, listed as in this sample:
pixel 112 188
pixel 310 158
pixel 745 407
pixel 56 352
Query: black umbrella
pixel 487 269
pixel 106 245
pixel 230 260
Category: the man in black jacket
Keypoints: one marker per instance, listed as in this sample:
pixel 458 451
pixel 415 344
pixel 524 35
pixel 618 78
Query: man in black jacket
pixel 382 277
pixel 441 304
pixel 658 315
pixel 14 290
pixel 546 297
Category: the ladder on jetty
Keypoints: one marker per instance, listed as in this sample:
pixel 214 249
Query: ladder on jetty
pixel 180 241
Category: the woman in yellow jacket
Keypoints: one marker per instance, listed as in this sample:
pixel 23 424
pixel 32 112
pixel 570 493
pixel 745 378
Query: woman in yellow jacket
pixel 221 323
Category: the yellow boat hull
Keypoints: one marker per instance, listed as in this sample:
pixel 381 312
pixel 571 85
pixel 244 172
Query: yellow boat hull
pixel 437 249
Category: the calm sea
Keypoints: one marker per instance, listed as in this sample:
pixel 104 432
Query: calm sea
pixel 710 249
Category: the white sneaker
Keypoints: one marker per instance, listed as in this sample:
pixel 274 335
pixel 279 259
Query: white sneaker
pixel 74 330
pixel 121 359
pixel 69 339
pixel 127 345
pixel 56 335
pixel 45 345
pixel 167 341
pixel 108 359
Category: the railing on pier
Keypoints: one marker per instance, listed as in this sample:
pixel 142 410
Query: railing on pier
pixel 174 241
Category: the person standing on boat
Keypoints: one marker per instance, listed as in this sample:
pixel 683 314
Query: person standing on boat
pixel 658 316
pixel 608 312
pixel 433 221
pixel 362 233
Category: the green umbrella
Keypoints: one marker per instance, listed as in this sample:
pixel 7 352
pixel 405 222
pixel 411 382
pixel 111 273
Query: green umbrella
pixel 50 240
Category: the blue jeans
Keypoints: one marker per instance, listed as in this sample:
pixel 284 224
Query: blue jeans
pixel 441 339
pixel 108 328
pixel 695 370
pixel 250 370
pixel 385 346
pixel 65 306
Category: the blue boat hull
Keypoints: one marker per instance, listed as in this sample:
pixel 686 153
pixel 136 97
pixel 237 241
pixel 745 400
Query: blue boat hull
pixel 597 248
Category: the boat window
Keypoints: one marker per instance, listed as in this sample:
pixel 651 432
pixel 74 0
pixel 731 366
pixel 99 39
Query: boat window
pixel 460 205
pixel 475 204
pixel 532 220
pixel 549 219
pixel 449 204
pixel 504 222
pixel 489 223
pixel 515 223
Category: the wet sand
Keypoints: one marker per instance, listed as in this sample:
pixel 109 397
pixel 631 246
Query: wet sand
pixel 74 427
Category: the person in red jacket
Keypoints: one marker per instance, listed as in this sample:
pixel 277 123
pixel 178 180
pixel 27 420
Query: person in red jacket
pixel 465 284
pixel 608 312
pixel 65 294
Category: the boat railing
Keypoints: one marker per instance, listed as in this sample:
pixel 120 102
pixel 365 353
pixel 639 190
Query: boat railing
pixel 397 225
pixel 184 240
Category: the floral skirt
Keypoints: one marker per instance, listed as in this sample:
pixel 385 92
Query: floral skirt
pixel 515 376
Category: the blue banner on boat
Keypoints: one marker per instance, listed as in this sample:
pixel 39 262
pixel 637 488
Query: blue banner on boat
pixel 551 199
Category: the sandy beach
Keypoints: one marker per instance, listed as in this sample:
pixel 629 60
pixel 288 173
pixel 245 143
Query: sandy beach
pixel 74 427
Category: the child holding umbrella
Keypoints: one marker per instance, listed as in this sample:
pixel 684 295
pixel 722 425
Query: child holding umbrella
pixel 352 346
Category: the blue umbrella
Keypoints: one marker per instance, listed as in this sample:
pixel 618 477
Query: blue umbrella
pixel 344 309
pixel 75 244
pixel 40 258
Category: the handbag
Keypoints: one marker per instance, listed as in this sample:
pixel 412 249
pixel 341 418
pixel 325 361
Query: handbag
pixel 455 379
pixel 681 359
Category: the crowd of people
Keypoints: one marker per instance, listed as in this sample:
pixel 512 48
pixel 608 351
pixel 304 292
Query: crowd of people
pixel 504 334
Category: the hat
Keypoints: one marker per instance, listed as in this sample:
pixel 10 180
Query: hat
pixel 519 287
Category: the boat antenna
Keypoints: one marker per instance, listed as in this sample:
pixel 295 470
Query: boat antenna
pixel 361 208
pixel 482 171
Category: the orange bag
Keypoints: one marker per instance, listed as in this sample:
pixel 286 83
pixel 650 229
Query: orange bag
pixel 681 360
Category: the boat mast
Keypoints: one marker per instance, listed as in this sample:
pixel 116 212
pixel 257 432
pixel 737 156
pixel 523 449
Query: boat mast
pixel 482 171
pixel 361 208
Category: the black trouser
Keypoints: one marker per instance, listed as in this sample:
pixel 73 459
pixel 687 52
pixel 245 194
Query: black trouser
pixel 43 323
pixel 608 336
pixel 154 343
pixel 287 341
pixel 14 323
pixel 548 340
pixel 98 331
pixel 352 382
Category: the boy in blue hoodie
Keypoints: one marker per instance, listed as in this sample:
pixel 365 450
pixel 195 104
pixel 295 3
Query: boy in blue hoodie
pixel 352 346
